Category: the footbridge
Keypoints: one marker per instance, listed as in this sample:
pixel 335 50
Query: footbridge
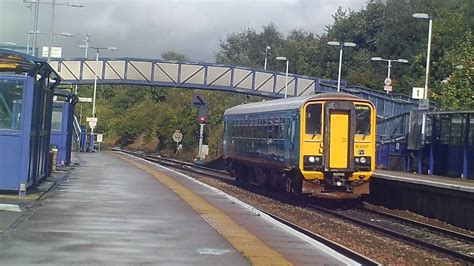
pixel 206 76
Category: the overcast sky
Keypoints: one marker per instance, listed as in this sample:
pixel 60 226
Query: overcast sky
pixel 147 28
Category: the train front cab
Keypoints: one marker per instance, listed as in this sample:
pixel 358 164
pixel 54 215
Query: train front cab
pixel 337 154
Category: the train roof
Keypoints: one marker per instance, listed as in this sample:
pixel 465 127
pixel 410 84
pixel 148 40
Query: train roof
pixel 292 103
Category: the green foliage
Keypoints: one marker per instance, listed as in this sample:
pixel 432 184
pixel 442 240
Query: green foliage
pixel 457 90
pixel 174 56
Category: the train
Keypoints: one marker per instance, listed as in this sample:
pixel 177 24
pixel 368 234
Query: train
pixel 321 145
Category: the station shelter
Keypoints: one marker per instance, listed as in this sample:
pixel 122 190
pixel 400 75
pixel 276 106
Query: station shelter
pixel 63 130
pixel 445 146
pixel 26 98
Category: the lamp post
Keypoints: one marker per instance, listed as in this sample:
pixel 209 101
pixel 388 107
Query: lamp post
pixel 266 57
pixel 95 83
pixel 283 58
pixel 428 52
pixel 87 41
pixel 29 5
pixel 62 34
pixel 389 66
pixel 110 48
pixel 341 46
pixel 425 94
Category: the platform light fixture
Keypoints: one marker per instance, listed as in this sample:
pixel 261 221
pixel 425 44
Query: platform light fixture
pixel 109 48
pixel 389 64
pixel 266 53
pixel 341 47
pixel 283 58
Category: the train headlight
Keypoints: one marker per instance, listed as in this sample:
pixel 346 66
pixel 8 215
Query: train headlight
pixel 312 162
pixel 363 163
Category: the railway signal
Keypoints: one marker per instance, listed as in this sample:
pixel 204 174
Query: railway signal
pixel 201 103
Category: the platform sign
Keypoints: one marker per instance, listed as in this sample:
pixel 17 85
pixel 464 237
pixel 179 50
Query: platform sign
pixel 199 100
pixel 91 119
pixel 85 100
pixel 177 136
pixel 100 138
pixel 204 151
pixel 418 93
pixel 424 104
pixel 92 122
pixel 56 52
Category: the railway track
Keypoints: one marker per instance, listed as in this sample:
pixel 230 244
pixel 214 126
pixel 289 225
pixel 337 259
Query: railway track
pixel 454 244
pixel 457 245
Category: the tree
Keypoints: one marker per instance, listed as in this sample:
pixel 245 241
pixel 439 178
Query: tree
pixel 174 56
pixel 457 90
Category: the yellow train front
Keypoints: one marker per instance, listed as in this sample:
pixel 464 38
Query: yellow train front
pixel 322 144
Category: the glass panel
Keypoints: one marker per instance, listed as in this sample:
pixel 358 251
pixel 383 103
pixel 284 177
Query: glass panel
pixel 11 97
pixel 362 119
pixel 57 118
pixel 313 119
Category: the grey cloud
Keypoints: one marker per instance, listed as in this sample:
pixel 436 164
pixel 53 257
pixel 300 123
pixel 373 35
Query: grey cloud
pixel 149 28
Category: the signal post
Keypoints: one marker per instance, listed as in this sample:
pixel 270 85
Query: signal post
pixel 200 102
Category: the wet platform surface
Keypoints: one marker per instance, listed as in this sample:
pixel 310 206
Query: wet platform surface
pixel 110 212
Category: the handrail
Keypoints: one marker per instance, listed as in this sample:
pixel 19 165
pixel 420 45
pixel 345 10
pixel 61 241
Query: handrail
pixel 77 129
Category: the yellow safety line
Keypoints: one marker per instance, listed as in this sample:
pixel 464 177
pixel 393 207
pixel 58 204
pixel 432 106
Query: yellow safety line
pixel 29 197
pixel 257 252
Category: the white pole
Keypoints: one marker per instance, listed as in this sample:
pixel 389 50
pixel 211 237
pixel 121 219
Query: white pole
pixel 428 58
pixel 53 4
pixel 286 78
pixel 95 81
pixel 29 29
pixel 266 55
pixel 340 67
pixel 201 132
pixel 87 44
pixel 389 66
pixel 35 27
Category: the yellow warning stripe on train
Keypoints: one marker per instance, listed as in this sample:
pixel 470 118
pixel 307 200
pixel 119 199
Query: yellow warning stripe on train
pixel 250 246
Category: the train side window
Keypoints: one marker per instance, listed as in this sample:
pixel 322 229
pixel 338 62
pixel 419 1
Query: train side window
pixel 313 119
pixel 232 126
pixel 270 129
pixel 255 128
pixel 276 129
pixel 259 128
pixel 363 115
pixel 282 128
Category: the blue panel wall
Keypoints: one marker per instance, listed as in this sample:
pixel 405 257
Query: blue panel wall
pixel 61 134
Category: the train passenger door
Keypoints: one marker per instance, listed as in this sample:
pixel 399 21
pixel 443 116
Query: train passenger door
pixel 339 118
pixel 338 139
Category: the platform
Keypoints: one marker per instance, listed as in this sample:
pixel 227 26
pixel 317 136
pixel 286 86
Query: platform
pixel 466 185
pixel 447 199
pixel 109 211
